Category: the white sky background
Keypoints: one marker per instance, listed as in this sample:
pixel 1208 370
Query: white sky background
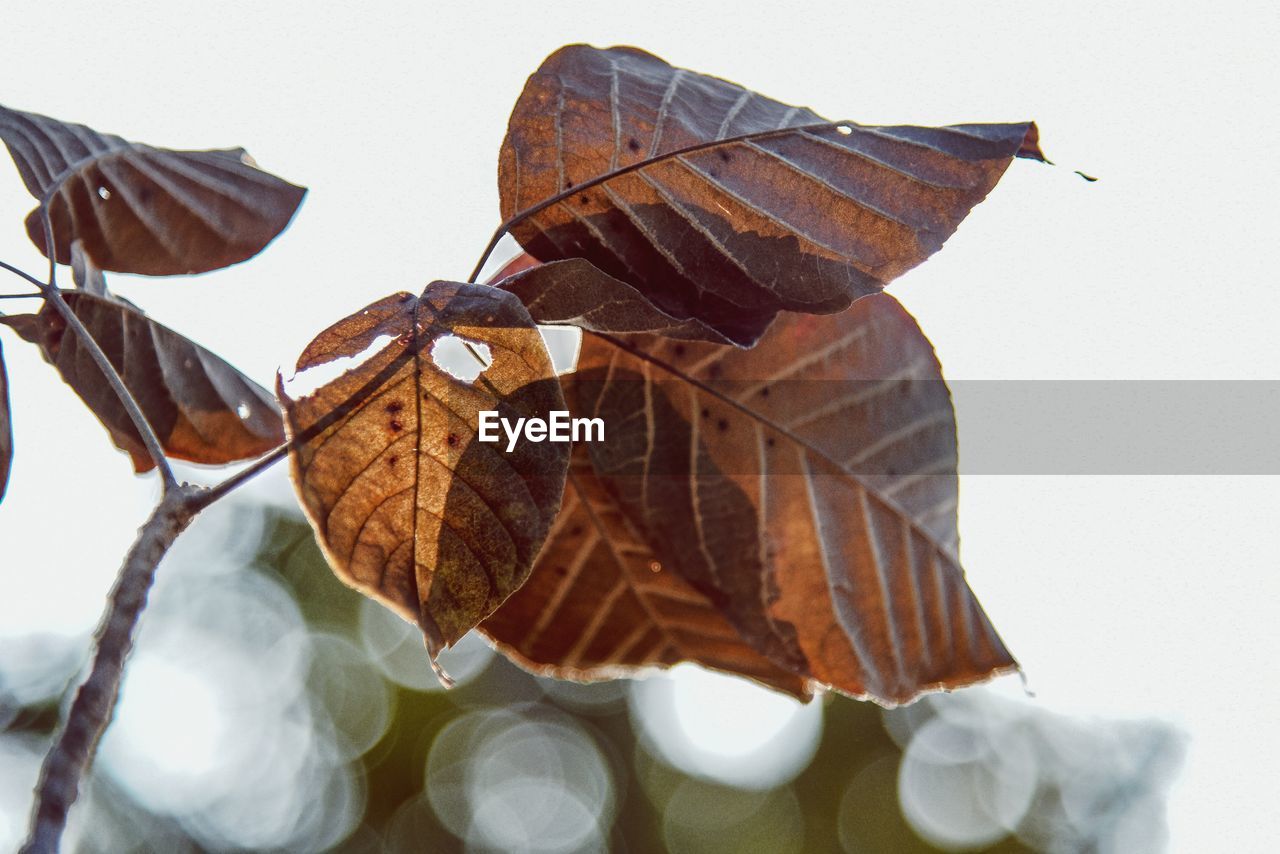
pixel 1122 596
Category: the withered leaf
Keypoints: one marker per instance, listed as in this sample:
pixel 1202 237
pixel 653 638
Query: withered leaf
pixel 599 605
pixel 807 486
pixel 140 209
pixel 807 220
pixel 6 428
pixel 577 293
pixel 410 508
pixel 202 409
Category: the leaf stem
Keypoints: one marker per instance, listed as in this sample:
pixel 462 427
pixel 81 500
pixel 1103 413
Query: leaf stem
pixel 219 490
pixel 95 700
pixel 23 274
pixel 53 295
pixel 532 210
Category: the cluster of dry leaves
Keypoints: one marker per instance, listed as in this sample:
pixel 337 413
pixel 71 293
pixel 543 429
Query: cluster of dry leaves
pixel 776 492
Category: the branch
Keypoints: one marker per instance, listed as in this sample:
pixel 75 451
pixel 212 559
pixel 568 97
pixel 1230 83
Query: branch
pixel 95 700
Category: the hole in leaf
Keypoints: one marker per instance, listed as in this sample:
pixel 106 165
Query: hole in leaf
pixel 243 411
pixel 458 357
pixel 845 130
pixel 104 193
pixel 306 382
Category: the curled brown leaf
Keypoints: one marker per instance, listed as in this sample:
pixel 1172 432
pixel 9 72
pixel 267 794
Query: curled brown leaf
pixel 807 486
pixel 411 509
pixel 202 409
pixel 599 604
pixel 808 218
pixel 139 209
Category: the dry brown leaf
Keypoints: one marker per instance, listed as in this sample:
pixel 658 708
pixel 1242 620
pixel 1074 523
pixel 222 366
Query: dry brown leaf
pixel 806 220
pixel 410 509
pixel 202 409
pixel 807 486
pixel 140 209
pixel 599 605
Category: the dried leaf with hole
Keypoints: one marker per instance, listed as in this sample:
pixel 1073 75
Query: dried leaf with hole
pixel 599 605
pixel 6 429
pixel 410 508
pixel 806 220
pixel 808 487
pixel 202 409
pixel 140 209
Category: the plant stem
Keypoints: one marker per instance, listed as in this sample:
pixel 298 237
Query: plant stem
pixel 22 274
pixel 69 758
pixel 53 295
pixel 217 491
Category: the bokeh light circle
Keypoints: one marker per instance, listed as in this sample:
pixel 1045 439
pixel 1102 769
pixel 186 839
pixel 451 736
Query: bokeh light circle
pixel 722 728
pixel 523 779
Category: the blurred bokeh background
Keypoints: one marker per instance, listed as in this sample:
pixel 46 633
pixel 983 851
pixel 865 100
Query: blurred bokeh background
pixel 269 708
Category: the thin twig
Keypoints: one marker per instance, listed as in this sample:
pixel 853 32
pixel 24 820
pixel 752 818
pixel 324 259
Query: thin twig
pixel 127 400
pixel 517 218
pixel 207 496
pixel 53 295
pixel 69 758
pixel 23 274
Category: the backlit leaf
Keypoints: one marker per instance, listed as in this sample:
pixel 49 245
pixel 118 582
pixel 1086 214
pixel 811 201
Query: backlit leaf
pixel 599 605
pixel 808 487
pixel 409 507
pixel 140 209
pixel 807 220
pixel 202 409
